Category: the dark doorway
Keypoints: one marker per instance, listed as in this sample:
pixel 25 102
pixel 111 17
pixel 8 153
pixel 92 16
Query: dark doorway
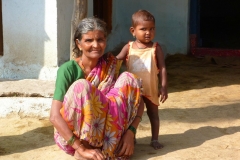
pixel 103 10
pixel 215 27
pixel 219 24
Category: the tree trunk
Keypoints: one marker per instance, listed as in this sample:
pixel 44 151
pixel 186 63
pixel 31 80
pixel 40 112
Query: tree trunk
pixel 79 12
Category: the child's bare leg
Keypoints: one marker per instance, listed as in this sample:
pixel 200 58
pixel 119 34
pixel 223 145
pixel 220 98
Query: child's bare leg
pixel 152 112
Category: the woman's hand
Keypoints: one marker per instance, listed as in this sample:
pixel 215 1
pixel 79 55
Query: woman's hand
pixel 91 154
pixel 126 145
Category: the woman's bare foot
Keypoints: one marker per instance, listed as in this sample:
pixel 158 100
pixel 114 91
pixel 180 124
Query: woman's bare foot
pixel 156 145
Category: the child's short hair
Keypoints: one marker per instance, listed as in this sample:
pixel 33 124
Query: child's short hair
pixel 141 15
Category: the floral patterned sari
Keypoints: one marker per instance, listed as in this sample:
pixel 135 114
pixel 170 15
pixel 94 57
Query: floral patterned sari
pixel 100 108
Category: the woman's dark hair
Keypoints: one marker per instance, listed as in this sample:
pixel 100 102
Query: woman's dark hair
pixel 87 24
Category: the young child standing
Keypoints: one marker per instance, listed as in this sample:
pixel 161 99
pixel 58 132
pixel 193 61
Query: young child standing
pixel 145 59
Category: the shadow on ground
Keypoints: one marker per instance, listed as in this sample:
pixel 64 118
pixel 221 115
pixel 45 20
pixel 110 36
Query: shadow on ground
pixel 188 72
pixel 205 114
pixel 192 137
pixel 174 142
pixel 27 141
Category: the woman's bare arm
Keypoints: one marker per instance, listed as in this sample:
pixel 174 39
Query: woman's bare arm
pixel 57 120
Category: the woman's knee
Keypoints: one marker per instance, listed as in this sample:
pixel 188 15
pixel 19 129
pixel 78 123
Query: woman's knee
pixel 80 87
pixel 127 78
pixel 81 84
pixel 127 74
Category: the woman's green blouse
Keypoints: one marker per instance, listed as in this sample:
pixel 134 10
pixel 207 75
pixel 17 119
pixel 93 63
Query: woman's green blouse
pixel 67 73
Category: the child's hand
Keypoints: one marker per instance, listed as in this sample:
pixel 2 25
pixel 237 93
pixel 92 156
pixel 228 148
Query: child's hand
pixel 162 92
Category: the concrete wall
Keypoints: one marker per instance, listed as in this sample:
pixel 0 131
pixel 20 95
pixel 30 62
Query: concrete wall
pixel 36 37
pixel 171 23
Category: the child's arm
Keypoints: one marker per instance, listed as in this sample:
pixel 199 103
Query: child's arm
pixel 122 55
pixel 162 74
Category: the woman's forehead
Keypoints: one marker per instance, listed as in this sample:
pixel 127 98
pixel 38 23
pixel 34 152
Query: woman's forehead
pixel 94 33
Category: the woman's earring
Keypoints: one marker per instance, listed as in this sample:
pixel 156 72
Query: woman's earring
pixel 134 36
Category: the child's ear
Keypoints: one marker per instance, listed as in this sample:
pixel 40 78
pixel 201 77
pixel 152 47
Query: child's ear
pixel 132 31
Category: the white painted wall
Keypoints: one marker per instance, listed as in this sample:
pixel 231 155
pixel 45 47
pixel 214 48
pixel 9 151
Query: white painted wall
pixel 171 23
pixel 36 33
pixel 36 38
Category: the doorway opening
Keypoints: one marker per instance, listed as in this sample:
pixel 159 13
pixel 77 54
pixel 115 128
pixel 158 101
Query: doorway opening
pixel 214 27
pixel 103 10
pixel 220 24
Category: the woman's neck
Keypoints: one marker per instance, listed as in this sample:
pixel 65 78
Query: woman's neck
pixel 87 64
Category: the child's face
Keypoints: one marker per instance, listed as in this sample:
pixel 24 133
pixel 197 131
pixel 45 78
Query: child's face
pixel 144 31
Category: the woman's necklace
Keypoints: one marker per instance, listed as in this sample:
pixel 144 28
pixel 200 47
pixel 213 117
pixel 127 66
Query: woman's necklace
pixel 139 47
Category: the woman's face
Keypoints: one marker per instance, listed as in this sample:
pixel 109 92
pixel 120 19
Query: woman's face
pixel 92 44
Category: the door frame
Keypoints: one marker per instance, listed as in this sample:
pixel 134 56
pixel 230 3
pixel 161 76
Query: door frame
pixel 195 42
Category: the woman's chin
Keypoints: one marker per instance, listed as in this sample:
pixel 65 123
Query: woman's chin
pixel 96 55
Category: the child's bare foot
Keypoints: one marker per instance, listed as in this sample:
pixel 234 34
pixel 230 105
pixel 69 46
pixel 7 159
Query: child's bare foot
pixel 156 145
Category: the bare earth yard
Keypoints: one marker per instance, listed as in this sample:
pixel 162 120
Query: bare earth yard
pixel 200 120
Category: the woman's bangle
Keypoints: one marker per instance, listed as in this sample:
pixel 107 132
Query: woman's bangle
pixel 133 129
pixel 71 140
pixel 139 117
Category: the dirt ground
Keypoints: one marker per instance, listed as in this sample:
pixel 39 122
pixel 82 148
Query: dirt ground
pixel 200 119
